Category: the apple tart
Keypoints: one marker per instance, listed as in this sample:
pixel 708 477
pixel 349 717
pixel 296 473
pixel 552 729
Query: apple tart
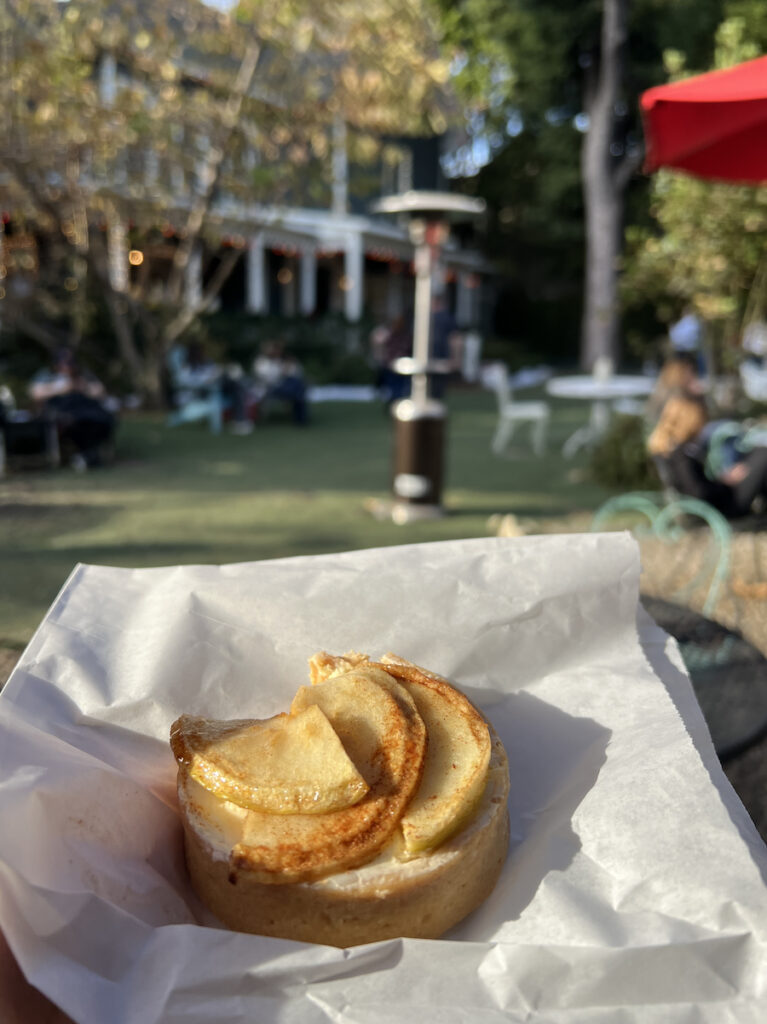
pixel 375 808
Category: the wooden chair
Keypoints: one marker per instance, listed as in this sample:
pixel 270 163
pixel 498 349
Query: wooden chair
pixel 512 412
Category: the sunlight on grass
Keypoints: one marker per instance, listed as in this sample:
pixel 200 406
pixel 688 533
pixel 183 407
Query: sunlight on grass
pixel 228 468
pixel 187 496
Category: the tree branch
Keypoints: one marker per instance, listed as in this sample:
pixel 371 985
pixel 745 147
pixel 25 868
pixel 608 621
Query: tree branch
pixel 186 317
pixel 211 170
pixel 49 339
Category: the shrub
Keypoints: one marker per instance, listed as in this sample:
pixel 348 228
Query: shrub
pixel 620 459
pixel 330 350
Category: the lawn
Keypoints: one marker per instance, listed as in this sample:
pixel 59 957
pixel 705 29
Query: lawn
pixel 186 496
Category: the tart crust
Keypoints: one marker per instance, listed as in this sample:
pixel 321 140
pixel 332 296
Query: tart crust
pixel 388 898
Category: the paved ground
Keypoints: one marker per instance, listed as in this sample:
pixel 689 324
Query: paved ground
pixel 743 607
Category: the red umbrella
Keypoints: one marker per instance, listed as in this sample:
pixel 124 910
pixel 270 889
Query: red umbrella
pixel 712 125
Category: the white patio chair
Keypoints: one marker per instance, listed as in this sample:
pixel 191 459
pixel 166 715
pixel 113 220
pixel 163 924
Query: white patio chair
pixel 512 412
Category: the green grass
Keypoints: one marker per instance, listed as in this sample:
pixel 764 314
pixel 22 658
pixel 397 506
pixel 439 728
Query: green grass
pixel 186 496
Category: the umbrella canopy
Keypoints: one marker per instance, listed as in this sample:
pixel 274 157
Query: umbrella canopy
pixel 712 125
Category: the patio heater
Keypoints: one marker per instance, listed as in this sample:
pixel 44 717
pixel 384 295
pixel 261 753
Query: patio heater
pixel 419 421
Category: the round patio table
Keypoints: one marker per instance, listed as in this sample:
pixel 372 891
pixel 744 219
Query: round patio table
pixel 728 675
pixel 603 394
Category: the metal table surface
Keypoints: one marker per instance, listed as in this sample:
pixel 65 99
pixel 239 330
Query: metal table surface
pixel 595 389
pixel 728 674
pixel 603 393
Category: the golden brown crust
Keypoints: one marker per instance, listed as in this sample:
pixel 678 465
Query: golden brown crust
pixel 323 665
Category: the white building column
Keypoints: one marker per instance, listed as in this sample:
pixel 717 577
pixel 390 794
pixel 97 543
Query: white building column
pixel 117 254
pixel 255 276
pixel 340 167
pixel 308 273
pixel 354 271
pixel 151 167
pixel 177 175
pixel 193 278
pixel 107 79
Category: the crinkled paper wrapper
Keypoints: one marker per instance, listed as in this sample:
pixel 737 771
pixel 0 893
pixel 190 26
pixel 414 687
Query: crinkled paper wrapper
pixel 634 888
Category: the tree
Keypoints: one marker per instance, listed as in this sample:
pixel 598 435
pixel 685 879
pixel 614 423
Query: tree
pixel 134 130
pixel 548 66
pixel 707 242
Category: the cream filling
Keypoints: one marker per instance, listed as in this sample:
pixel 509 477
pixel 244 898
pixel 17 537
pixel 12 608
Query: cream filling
pixel 219 823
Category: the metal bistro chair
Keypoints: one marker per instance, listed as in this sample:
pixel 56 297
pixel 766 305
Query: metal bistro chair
pixel 668 517
pixel 512 412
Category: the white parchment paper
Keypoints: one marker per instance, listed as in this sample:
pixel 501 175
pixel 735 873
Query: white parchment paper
pixel 635 886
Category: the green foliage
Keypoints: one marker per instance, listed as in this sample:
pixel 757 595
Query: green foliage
pixel 513 352
pixel 176 119
pixel 535 236
pixel 705 246
pixel 620 459
pixel 329 349
pixel 526 69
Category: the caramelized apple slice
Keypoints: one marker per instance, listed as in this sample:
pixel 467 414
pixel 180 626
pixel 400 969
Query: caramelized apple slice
pixel 384 735
pixel 458 755
pixel 289 764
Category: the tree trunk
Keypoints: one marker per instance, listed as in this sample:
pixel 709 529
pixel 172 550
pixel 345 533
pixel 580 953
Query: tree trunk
pixel 604 187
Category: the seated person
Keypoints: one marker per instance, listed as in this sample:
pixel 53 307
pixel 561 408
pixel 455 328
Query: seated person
pixel 282 377
pixel 686 337
pixel 679 375
pixel 719 461
pixel 192 375
pixel 65 376
pixel 76 401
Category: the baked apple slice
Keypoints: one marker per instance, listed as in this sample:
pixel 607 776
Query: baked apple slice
pixel 456 766
pixel 383 734
pixel 458 751
pixel 457 762
pixel 289 764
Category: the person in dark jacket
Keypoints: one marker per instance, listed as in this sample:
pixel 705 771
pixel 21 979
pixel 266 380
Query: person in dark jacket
pixel 719 461
pixel 77 403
